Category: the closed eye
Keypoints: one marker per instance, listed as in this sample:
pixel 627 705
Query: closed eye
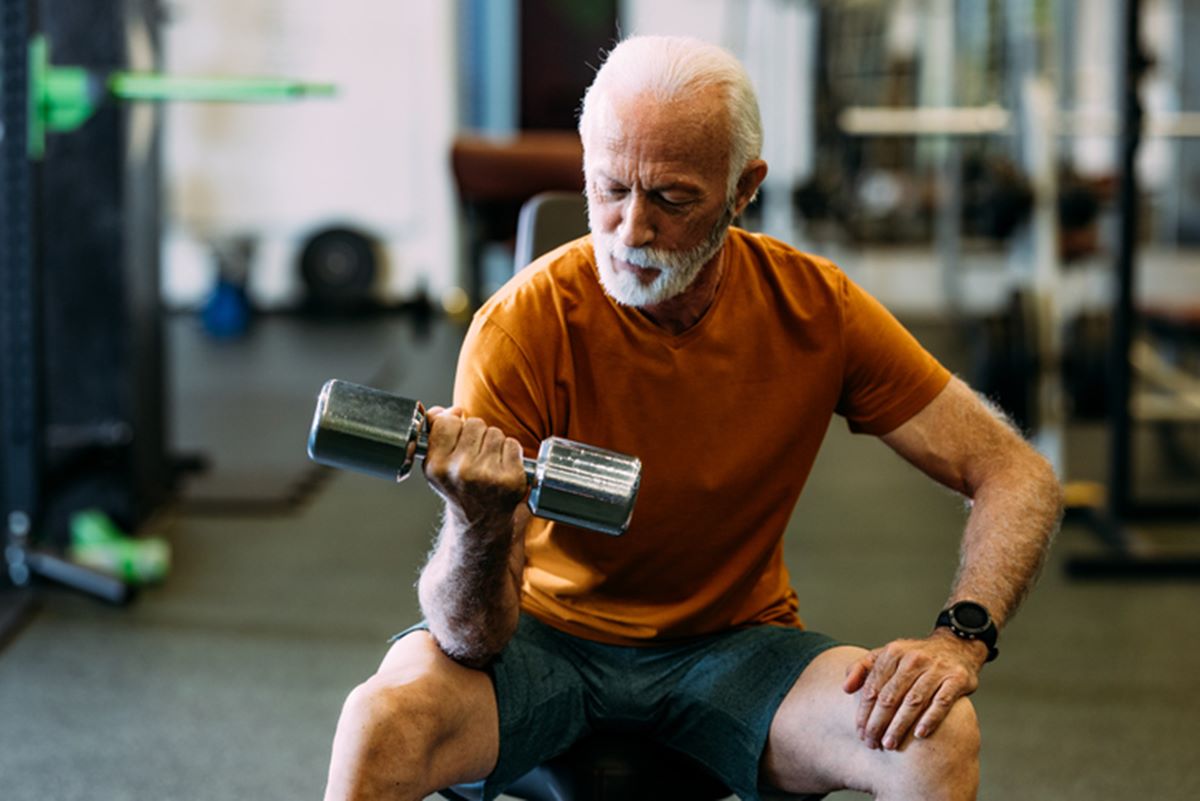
pixel 675 202
pixel 612 191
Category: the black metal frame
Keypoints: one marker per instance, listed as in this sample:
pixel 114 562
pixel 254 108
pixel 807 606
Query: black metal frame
pixel 20 452
pixel 22 377
pixel 1126 557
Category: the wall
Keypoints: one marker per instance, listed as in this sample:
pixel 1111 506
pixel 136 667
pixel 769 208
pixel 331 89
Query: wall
pixel 376 155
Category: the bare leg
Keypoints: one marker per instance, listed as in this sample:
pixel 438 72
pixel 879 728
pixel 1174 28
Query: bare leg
pixel 421 723
pixel 814 746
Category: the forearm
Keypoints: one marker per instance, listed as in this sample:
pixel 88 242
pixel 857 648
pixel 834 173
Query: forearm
pixel 469 590
pixel 1016 505
pixel 1014 517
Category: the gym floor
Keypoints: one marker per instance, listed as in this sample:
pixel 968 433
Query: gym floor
pixel 226 680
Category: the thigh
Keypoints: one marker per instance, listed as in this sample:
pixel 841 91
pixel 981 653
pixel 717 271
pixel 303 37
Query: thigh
pixel 525 708
pixel 721 708
pixel 541 701
pixel 489 727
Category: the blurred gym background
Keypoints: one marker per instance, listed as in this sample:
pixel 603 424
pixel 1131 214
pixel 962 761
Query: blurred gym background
pixel 209 208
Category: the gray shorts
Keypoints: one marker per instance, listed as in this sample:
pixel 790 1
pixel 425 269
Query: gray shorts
pixel 712 698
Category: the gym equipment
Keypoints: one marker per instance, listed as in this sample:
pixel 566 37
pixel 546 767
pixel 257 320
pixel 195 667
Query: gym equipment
pixel 27 326
pixel 1086 366
pixel 547 220
pixel 338 266
pixel 1128 556
pixel 1005 361
pixel 227 312
pixel 618 766
pixel 98 543
pixel 81 392
pixel 64 98
pixel 996 197
pixel 380 434
pixel 494 177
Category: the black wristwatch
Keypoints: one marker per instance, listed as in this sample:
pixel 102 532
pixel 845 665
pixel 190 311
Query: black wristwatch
pixel 971 621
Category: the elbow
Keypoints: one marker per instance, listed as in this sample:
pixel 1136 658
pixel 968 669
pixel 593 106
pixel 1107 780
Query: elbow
pixel 469 635
pixel 1024 471
pixel 468 654
pixel 1049 487
pixel 1033 480
pixel 471 644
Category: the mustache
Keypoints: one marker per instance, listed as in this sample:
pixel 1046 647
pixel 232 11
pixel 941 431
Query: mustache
pixel 646 257
pixel 668 260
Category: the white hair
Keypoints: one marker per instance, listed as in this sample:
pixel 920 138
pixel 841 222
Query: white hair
pixel 676 67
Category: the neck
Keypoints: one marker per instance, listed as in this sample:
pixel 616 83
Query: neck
pixel 681 312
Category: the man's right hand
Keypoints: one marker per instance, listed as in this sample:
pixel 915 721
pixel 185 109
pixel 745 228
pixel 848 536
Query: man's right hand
pixel 475 467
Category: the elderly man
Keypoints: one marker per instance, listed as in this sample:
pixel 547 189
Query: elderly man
pixel 719 357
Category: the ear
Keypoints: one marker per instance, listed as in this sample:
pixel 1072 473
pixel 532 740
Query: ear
pixel 747 185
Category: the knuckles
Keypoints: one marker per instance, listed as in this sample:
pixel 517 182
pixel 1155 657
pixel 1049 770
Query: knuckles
pixel 466 455
pixel 888 701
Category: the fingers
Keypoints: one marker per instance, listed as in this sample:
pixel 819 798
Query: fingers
pixel 892 713
pixel 884 665
pixel 513 453
pixel 473 466
pixel 905 712
pixel 909 688
pixel 856 674
pixel 943 700
pixel 444 430
pixel 456 441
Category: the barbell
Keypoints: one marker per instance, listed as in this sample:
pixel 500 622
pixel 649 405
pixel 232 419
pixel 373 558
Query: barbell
pixel 375 432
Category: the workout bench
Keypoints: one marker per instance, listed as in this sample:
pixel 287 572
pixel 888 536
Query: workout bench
pixel 619 767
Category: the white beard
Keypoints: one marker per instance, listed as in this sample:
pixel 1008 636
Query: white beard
pixel 677 269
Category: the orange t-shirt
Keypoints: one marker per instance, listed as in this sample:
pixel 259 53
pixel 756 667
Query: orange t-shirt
pixel 726 417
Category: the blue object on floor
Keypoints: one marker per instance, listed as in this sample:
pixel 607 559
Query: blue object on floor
pixel 226 313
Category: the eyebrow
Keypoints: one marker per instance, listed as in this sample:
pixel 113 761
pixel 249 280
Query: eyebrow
pixel 678 185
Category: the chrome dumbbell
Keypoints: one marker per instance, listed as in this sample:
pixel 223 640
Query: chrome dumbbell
pixel 374 432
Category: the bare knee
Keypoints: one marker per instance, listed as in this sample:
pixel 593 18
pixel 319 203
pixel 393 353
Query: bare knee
pixel 960 731
pixel 945 765
pixel 419 724
pixel 404 722
pixel 385 739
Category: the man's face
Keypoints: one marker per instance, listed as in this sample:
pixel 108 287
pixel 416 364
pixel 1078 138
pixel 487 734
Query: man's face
pixel 657 189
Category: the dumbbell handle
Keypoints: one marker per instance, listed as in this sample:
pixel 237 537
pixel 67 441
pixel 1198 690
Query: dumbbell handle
pixel 374 432
pixel 530 466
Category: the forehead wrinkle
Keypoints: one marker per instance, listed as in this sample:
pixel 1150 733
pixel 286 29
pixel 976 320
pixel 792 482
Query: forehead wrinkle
pixel 687 137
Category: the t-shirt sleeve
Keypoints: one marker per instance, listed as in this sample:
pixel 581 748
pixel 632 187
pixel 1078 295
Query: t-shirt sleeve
pixel 496 381
pixel 889 376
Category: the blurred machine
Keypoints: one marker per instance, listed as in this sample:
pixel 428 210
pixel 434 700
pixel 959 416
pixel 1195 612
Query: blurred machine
pixel 979 152
pixel 82 392
pixel 81 355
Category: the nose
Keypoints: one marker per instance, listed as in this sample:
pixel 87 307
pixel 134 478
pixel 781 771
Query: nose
pixel 637 228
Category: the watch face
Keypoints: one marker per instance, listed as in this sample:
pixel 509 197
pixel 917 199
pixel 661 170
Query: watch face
pixel 970 616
